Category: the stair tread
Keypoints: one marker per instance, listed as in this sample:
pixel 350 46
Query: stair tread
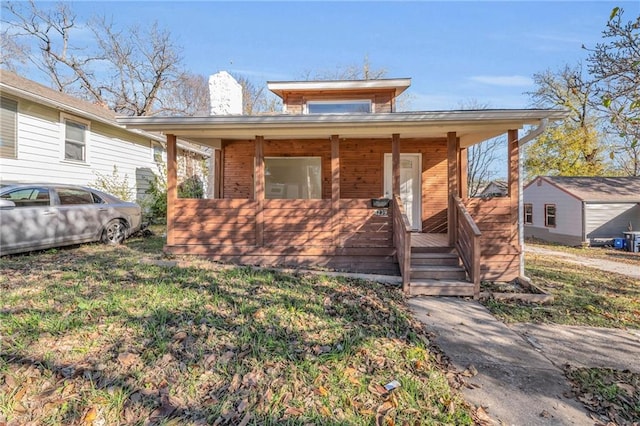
pixel 434 255
pixel 434 282
pixel 436 268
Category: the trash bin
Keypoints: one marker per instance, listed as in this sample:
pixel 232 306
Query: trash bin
pixel 633 241
pixel 619 243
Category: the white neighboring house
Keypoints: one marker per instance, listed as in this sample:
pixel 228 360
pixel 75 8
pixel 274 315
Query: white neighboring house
pixel 51 137
pixel 581 210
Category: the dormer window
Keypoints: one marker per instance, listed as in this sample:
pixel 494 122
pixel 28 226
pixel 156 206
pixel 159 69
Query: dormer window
pixel 338 107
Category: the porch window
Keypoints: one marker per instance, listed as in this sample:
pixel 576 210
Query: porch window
pixel 338 107
pixel 293 177
pixel 8 134
pixel 528 214
pixel 550 215
pixel 75 140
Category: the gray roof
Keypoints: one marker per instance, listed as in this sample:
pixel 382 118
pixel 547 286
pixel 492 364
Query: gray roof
pixel 604 189
pixel 23 87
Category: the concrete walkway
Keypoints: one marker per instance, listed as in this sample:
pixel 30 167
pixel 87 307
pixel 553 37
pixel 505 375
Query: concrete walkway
pixel 632 271
pixel 519 380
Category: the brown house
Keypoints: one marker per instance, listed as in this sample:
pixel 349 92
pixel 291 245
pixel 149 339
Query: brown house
pixel 341 180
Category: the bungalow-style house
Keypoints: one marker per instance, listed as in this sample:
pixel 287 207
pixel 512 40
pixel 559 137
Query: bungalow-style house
pixel 342 180
pixel 48 136
pixel 495 188
pixel 581 210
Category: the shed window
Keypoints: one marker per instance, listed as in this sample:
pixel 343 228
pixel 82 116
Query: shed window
pixel 550 215
pixel 338 107
pixel 528 214
pixel 75 141
pixel 8 127
pixel 293 177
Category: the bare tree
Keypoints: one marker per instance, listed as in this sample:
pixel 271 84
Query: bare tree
pixel 134 71
pixel 482 158
pixel 614 64
pixel 362 71
pixel 257 100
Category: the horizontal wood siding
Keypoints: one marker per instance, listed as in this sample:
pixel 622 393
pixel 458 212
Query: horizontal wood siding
pixel 215 222
pixel 362 174
pixel 296 233
pixel 237 169
pixel 297 223
pixel 499 246
pixel 381 99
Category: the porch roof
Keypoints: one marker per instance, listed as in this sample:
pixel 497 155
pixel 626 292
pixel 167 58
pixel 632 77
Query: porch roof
pixel 471 126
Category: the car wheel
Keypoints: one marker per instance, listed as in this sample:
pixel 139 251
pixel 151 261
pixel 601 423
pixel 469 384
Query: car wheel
pixel 114 232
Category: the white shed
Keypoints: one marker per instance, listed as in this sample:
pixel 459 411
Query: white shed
pixel 581 210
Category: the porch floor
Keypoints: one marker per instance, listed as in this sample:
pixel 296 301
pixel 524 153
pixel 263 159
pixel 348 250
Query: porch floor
pixel 419 239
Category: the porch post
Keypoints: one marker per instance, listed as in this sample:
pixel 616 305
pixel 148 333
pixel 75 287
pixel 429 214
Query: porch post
pixel 172 187
pixel 217 173
pixel 395 164
pixel 464 190
pixel 514 177
pixel 452 175
pixel 335 190
pixel 259 193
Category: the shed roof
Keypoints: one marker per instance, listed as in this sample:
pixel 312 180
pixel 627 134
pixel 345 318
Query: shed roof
pixel 598 189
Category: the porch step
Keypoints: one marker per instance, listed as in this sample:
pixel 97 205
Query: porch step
pixel 444 249
pixel 440 272
pixel 435 259
pixel 431 287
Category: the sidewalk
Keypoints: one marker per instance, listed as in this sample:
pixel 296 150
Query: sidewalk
pixel 515 383
pixel 632 271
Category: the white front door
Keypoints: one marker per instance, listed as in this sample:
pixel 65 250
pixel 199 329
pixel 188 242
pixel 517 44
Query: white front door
pixel 410 186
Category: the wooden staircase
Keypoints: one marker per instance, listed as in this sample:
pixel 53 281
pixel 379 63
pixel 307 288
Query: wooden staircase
pixel 438 271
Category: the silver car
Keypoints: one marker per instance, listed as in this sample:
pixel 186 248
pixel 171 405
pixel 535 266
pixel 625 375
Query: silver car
pixel 36 217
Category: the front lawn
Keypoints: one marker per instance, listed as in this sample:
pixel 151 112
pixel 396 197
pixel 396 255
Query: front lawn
pixel 92 335
pixel 583 296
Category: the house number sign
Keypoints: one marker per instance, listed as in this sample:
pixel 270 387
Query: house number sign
pixel 381 212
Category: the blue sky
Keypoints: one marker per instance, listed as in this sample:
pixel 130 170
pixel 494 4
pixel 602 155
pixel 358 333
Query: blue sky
pixel 454 51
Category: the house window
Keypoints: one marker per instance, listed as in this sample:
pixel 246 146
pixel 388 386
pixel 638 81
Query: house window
pixel 528 214
pixel 293 177
pixel 159 153
pixel 75 140
pixel 8 127
pixel 550 215
pixel 338 107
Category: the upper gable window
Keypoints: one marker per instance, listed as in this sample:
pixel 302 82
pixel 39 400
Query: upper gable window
pixel 338 107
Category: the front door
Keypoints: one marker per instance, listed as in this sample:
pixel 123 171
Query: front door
pixel 410 186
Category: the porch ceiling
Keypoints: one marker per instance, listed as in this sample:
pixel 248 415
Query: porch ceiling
pixel 471 127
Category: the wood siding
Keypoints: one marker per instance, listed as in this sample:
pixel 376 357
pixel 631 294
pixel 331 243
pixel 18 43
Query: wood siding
pixel 361 170
pixel 381 100
pixel 499 246
pixel 296 233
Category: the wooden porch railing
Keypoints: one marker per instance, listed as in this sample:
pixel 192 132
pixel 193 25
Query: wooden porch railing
pixel 468 243
pixel 402 241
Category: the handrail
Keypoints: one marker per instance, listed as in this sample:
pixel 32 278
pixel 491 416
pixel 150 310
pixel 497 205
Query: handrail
pixel 402 241
pixel 468 243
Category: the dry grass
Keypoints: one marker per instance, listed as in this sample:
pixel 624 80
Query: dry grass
pixel 93 335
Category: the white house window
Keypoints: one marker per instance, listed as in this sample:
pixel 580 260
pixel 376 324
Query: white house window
pixel 159 153
pixel 293 177
pixel 550 215
pixel 75 140
pixel 8 127
pixel 338 107
pixel 528 214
